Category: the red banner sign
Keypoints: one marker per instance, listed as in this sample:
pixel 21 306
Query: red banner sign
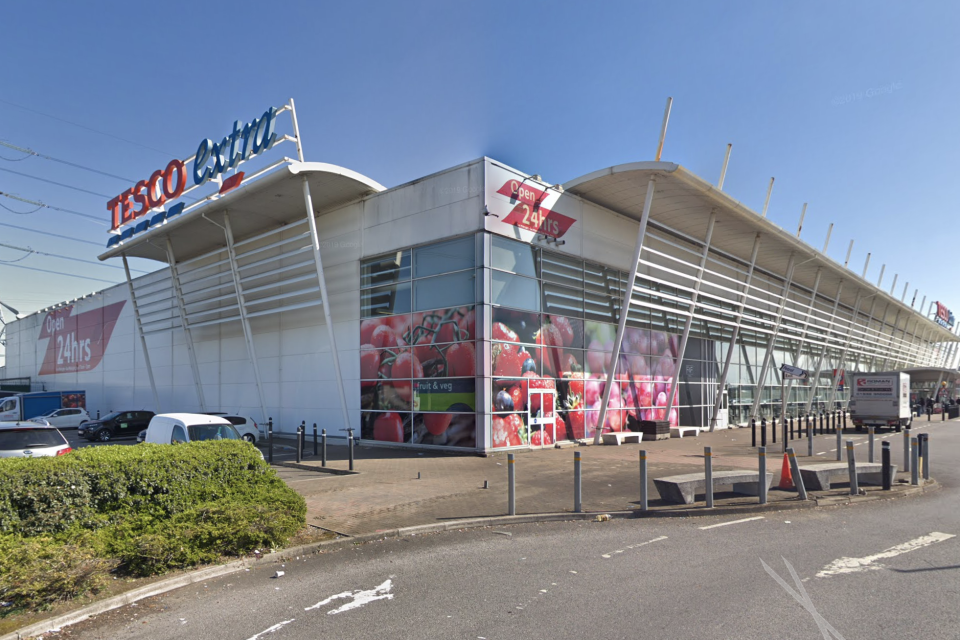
pixel 528 212
pixel 77 342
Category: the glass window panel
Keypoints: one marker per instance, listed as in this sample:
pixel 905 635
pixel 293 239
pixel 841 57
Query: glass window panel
pixel 562 300
pixel 600 306
pixel 510 255
pixel 385 301
pixel 510 324
pixel 443 257
pixel 570 330
pixel 385 426
pixel 391 268
pixel 445 429
pixel 444 291
pixel 601 279
pixel 561 269
pixel 515 291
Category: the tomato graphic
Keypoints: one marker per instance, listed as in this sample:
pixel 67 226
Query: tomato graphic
pixel 367 327
pixel 462 359
pixel 425 350
pixel 437 423
pixel 406 365
pixel 383 336
pixel 369 362
pixel 468 325
pixel 388 427
pixel 399 324
pixel 503 332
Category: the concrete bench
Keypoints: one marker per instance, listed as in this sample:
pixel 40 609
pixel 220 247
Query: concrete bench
pixel 619 437
pixel 678 432
pixel 816 477
pixel 683 488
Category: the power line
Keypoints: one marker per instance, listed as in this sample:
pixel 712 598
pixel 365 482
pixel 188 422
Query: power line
pixel 103 133
pixel 41 205
pixel 59 184
pixel 53 255
pixel 47 233
pixel 59 273
pixel 31 152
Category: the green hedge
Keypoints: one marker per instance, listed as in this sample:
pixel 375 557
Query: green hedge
pixel 140 510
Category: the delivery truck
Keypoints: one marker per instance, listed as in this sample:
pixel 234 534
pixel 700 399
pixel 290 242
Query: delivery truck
pixel 880 400
pixel 23 406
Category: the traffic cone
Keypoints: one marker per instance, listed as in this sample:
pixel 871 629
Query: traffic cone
pixel 786 478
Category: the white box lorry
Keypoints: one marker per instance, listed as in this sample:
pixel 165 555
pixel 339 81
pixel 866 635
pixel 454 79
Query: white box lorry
pixel 880 400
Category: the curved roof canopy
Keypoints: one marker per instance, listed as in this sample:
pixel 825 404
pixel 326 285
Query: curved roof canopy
pixel 271 200
pixel 682 202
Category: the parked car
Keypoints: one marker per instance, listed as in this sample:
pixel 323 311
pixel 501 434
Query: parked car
pixel 179 428
pixel 30 440
pixel 119 424
pixel 64 418
pixel 246 426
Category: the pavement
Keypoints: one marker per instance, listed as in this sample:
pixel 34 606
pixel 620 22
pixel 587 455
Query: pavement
pixel 393 489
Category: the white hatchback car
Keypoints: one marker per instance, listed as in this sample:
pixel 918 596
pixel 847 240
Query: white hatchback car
pixel 63 418
pixel 31 440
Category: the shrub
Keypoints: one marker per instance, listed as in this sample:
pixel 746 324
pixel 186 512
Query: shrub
pixel 143 510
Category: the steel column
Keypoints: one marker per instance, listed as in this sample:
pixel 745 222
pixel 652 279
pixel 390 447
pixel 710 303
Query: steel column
pixel 625 305
pixel 143 339
pixel 693 304
pixel 175 277
pixel 736 332
pixel 242 306
pixel 823 352
pixel 846 345
pixel 806 325
pixel 325 300
pixel 764 368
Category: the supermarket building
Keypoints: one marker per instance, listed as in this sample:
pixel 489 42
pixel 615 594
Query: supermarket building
pixel 457 309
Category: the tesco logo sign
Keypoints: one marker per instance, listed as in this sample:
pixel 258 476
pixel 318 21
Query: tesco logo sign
pixel 211 160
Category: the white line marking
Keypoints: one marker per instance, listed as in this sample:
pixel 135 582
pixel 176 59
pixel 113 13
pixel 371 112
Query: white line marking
pixel 853 565
pixel 826 629
pixel 271 629
pixel 723 524
pixel 360 598
pixel 632 546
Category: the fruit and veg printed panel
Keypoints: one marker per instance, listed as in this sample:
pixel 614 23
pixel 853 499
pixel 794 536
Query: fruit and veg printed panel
pixel 448 429
pixel 548 354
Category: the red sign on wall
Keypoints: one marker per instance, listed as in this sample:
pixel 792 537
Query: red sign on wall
pixel 530 214
pixel 77 342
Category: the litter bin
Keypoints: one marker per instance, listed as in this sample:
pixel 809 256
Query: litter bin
pixel 953 411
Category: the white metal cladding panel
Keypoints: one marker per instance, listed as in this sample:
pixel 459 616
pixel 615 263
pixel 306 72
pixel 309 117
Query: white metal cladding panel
pixel 433 192
pixel 450 220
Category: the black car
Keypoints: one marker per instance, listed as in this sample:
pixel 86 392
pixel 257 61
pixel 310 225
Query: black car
pixel 119 424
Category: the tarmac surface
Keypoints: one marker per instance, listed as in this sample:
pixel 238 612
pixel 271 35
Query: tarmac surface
pixel 395 488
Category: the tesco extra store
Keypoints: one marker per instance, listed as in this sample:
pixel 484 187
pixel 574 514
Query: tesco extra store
pixel 457 310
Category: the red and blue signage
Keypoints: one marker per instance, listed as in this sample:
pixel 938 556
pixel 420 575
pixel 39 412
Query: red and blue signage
pixel 944 316
pixel 209 163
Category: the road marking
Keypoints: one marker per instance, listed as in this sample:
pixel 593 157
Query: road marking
pixel 632 546
pixel 723 524
pixel 854 565
pixel 271 629
pixel 801 596
pixel 360 598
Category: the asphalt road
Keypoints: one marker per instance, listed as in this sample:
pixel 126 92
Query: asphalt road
pixel 878 570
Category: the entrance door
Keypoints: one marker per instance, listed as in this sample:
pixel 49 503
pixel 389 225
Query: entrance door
pixel 542 417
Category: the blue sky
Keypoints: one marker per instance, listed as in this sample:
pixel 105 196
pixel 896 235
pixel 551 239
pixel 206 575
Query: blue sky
pixel 854 107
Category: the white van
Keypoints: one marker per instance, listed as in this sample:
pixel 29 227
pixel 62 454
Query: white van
pixel 172 428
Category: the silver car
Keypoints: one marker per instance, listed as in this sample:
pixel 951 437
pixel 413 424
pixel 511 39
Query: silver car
pixel 30 440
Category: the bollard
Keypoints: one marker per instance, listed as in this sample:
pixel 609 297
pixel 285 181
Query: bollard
pixel 929 411
pixel 795 470
pixel 791 427
pixel 300 443
pixel 809 442
pixel 870 434
pixel 98 414
pixel 885 461
pixel 773 431
pixel 270 439
pixel 323 458
pixel 821 422
pixel 763 432
pixel 314 439
pixel 914 462
pixel 852 465
pixel 783 432
pixel 925 452
pixel 943 414
pixel 577 505
pixel 511 486
pixel 839 445
pixel 753 432
pixel 643 480
pixel 807 417
pixel 708 472
pixel 844 418
pixel 762 458
pixel 906 449
pixel 350 436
